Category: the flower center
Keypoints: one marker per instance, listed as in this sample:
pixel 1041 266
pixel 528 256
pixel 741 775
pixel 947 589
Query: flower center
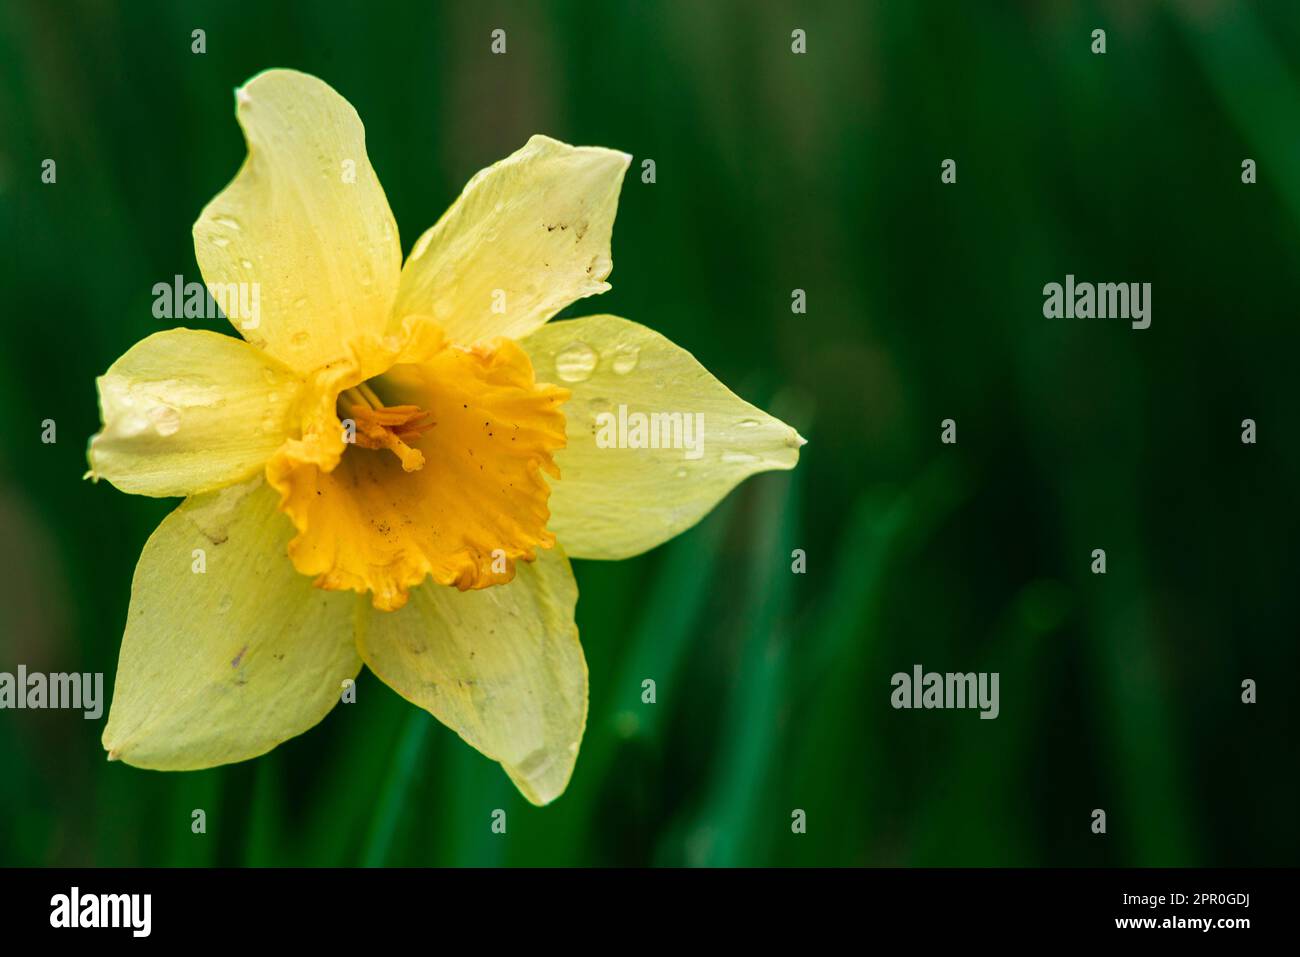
pixel 462 497
pixel 391 427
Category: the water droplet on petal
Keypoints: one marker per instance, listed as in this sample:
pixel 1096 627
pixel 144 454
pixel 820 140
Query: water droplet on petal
pixel 576 363
pixel 626 360
pixel 227 222
pixel 246 263
pixel 681 473
pixel 739 458
pixel 747 424
pixel 220 241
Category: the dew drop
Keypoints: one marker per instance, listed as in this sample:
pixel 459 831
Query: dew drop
pixel 220 241
pixel 739 458
pixel 747 424
pixel 246 263
pixel 681 473
pixel 576 363
pixel 626 360
pixel 227 222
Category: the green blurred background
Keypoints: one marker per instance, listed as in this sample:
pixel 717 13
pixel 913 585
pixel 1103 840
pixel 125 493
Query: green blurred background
pixel 774 172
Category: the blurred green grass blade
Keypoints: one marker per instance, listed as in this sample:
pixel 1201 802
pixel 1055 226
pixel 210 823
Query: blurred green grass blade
pixel 1253 81
pixel 881 526
pixel 1135 711
pixel 470 789
pixel 266 819
pixel 668 621
pixel 198 791
pixel 730 829
pixel 983 754
pixel 393 798
pixel 341 812
pixel 670 618
pixel 842 651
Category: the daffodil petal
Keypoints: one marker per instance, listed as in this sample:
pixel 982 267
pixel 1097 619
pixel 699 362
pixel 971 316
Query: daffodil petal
pixel 502 667
pixel 528 236
pixel 614 502
pixel 306 221
pixel 228 651
pixel 187 411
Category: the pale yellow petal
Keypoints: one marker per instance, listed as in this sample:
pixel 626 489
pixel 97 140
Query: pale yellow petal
pixel 224 663
pixel 186 411
pixel 527 237
pixel 306 220
pixel 619 500
pixel 502 667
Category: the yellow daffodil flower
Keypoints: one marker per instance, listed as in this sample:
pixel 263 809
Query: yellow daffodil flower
pixel 385 431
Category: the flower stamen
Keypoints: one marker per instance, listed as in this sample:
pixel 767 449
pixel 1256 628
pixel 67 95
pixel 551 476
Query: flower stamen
pixel 386 427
